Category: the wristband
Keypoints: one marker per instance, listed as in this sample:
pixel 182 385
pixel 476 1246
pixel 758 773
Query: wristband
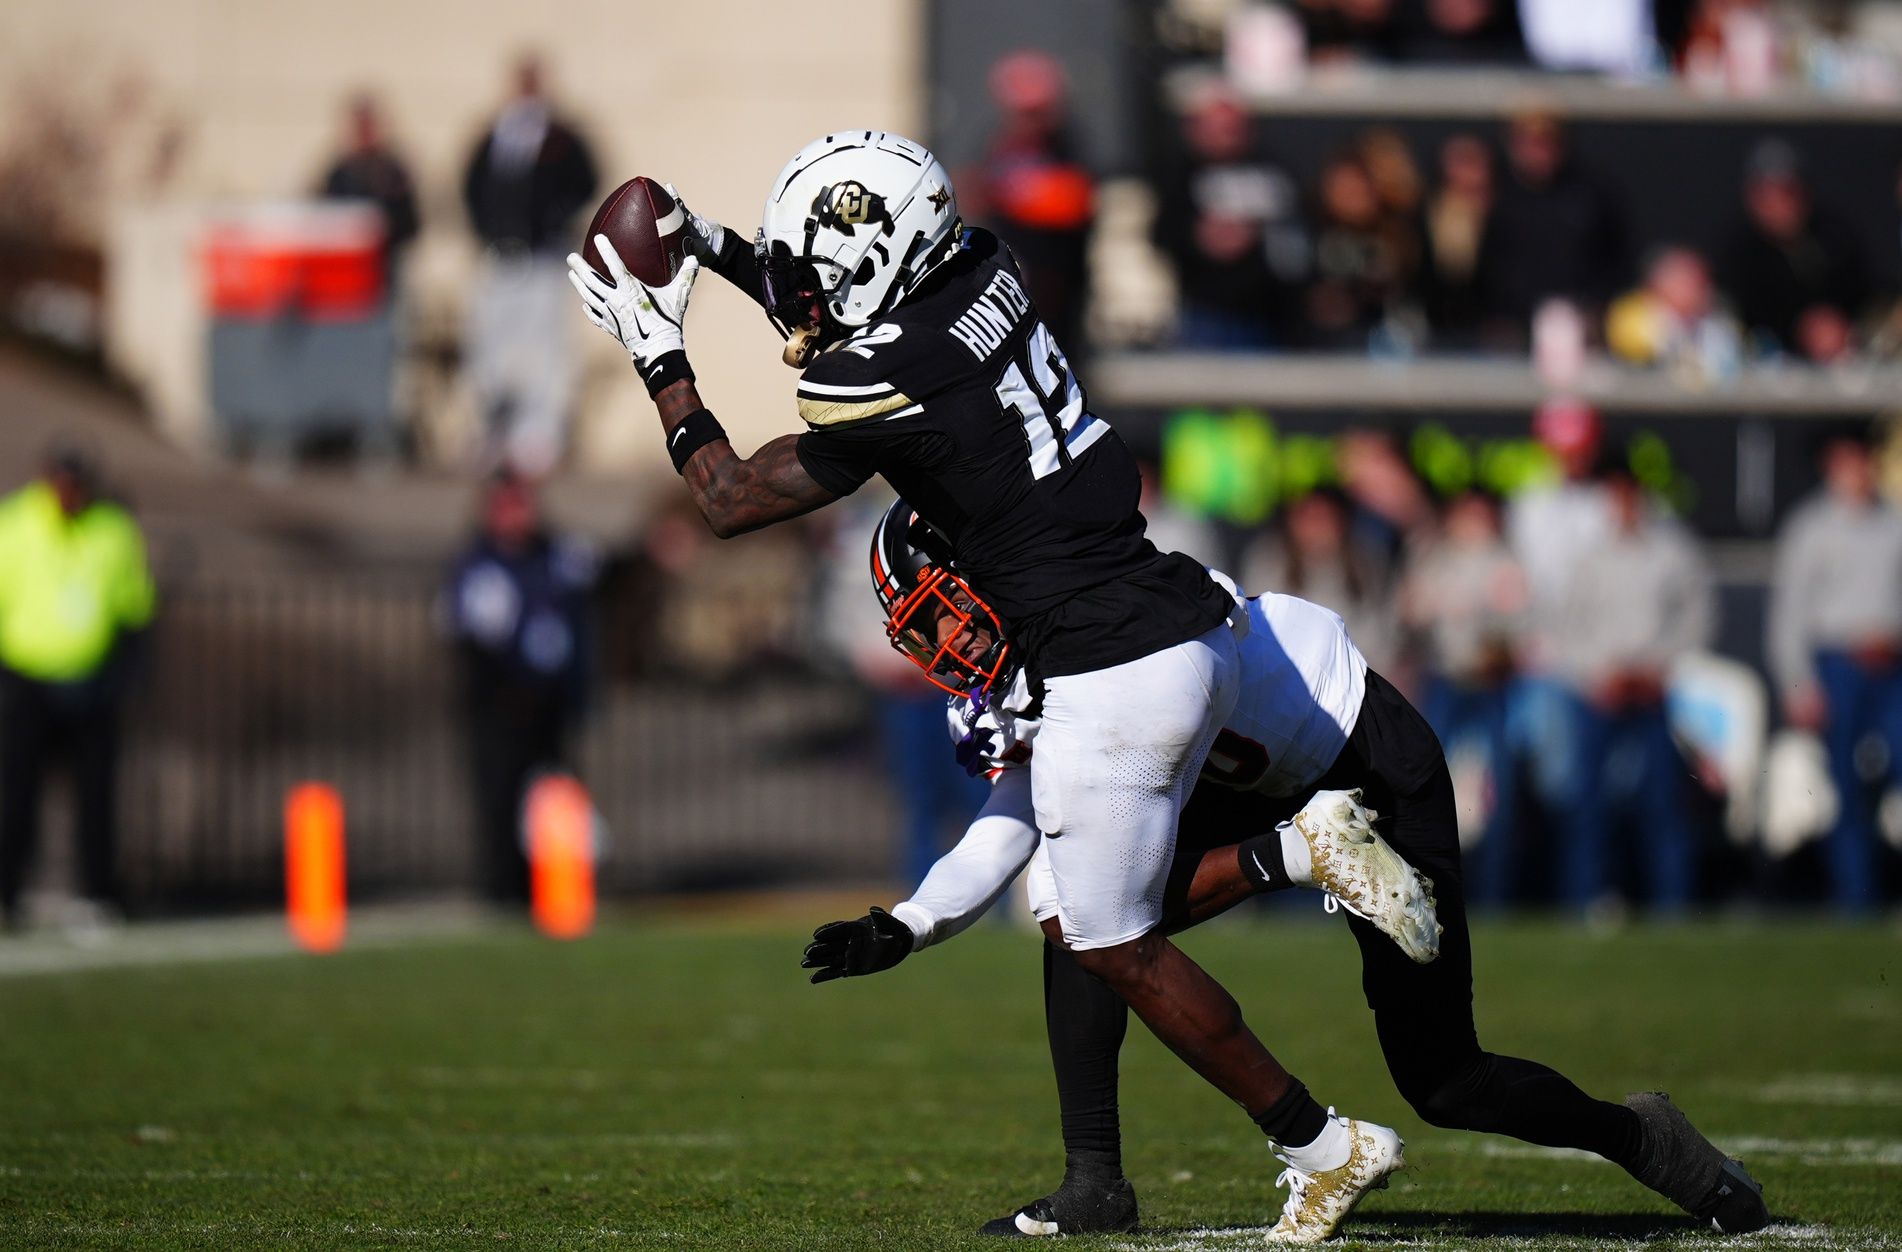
pixel 696 430
pixel 666 369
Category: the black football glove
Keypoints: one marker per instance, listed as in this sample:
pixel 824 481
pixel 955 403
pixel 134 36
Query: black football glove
pixel 848 949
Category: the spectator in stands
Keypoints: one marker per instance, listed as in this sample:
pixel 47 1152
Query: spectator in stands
pixel 1639 599
pixel 526 181
pixel 1390 506
pixel 1351 30
pixel 1313 554
pixel 1464 32
pixel 1467 595
pixel 369 169
pixel 1554 233
pixel 1231 223
pixel 1032 184
pixel 75 598
pixel 1455 221
pixel 1367 260
pixel 1731 47
pixel 1835 646
pixel 1795 269
pixel 1549 527
pixel 1674 320
pixel 516 606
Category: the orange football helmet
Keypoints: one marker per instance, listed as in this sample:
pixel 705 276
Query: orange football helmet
pixel 932 616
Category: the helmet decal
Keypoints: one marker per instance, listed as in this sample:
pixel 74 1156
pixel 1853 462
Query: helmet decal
pixel 844 206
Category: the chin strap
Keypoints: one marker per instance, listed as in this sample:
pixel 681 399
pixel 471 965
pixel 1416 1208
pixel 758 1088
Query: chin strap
pixel 801 346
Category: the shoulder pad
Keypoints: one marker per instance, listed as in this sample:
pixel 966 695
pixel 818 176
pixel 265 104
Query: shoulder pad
pixel 855 380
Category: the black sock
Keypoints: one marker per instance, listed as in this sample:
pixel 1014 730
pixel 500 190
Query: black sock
pixel 1086 1022
pixel 1261 862
pixel 1295 1120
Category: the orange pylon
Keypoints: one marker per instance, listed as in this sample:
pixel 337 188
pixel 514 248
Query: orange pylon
pixel 561 856
pixel 313 866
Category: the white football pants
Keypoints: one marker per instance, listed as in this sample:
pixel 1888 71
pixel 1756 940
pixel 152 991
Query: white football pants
pixel 1115 758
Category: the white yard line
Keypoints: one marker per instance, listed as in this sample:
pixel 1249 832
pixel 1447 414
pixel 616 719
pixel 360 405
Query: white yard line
pixel 1832 1090
pixel 1854 1150
pixel 224 939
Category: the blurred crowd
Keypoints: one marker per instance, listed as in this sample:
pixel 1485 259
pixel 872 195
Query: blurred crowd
pixel 1560 639
pixel 1380 255
pixel 1732 47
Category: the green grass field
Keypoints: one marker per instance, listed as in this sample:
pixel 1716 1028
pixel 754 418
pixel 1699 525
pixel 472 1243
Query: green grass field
pixel 678 1085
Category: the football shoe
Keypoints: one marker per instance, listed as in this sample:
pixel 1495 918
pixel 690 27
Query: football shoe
pixel 1679 1163
pixel 1078 1207
pixel 1319 1202
pixel 1360 872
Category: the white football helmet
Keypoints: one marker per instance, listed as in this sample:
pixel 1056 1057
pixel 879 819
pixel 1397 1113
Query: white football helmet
pixel 852 225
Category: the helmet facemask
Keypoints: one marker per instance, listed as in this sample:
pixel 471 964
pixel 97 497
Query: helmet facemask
pixel 932 616
pixel 796 295
pixel 944 628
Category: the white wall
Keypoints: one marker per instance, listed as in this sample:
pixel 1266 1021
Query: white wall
pixel 710 94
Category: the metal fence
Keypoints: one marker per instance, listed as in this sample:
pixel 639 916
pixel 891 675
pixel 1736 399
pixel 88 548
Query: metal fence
pixel 252 686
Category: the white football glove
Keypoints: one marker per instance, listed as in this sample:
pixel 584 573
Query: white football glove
pixel 708 236
pixel 646 320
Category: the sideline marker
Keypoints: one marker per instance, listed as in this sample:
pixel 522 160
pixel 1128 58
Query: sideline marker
pixel 314 897
pixel 561 856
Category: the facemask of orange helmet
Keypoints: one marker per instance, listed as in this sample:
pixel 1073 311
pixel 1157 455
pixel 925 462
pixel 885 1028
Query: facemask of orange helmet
pixel 932 616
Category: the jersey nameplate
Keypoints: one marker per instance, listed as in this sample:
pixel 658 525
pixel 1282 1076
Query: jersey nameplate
pixel 989 319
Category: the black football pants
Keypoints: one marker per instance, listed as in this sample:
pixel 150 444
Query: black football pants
pixel 41 723
pixel 1423 1014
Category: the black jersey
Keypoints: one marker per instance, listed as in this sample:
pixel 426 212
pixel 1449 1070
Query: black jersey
pixel 963 402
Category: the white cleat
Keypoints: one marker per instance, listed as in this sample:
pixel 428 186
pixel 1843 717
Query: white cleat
pixel 1318 1203
pixel 1360 872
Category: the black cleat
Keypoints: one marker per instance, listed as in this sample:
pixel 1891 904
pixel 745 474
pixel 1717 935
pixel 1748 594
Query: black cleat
pixel 1075 1208
pixel 1685 1168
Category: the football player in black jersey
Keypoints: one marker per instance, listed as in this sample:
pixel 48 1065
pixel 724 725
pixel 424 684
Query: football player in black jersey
pixel 924 362
pixel 1277 806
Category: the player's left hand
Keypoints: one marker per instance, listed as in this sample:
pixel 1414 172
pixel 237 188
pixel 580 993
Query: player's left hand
pixel 707 236
pixel 874 942
pixel 647 321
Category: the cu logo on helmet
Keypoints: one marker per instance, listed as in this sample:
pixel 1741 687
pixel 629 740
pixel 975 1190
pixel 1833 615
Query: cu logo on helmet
pixel 846 205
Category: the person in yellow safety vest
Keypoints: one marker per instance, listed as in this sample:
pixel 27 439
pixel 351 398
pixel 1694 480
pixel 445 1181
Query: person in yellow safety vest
pixel 75 594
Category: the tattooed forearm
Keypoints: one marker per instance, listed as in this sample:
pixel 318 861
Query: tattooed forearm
pixel 738 494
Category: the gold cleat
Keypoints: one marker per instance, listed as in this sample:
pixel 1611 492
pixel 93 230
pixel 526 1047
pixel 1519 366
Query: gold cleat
pixel 1360 872
pixel 1318 1203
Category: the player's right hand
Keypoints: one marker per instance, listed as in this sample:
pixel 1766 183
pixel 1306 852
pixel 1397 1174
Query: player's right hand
pixel 648 321
pixel 848 949
pixel 705 236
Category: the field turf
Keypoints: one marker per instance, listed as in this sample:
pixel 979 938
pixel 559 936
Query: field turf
pixel 676 1084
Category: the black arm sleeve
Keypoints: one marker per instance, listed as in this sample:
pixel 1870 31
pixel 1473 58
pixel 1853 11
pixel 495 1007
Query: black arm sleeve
pixel 737 265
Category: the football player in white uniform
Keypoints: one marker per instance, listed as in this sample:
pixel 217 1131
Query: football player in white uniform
pixel 1277 806
pixel 924 362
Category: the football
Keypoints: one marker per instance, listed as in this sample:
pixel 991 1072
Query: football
pixel 647 227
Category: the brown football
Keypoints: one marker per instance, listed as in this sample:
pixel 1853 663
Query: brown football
pixel 647 227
